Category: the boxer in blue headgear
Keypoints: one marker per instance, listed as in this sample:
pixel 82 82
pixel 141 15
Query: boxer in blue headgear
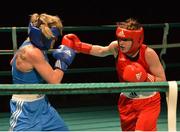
pixel 30 66
pixel 39 39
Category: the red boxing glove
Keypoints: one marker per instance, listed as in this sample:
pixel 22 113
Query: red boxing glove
pixel 72 41
pixel 134 73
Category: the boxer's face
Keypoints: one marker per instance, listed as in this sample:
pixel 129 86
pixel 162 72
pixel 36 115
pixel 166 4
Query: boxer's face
pixel 125 44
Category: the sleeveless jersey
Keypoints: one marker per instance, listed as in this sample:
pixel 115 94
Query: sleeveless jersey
pixel 30 77
pixel 123 61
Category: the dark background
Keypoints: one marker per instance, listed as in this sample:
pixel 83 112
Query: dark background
pixel 91 13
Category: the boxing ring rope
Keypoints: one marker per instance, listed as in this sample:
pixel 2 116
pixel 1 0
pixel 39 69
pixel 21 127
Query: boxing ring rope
pixel 170 87
pixel 84 88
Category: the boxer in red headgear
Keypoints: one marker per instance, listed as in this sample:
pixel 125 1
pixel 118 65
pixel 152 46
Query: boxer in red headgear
pixel 137 37
pixel 135 62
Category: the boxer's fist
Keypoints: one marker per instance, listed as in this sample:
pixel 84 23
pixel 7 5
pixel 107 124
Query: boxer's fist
pixel 64 56
pixel 134 73
pixel 72 41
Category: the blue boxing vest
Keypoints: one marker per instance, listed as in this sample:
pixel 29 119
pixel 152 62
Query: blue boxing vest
pixel 30 77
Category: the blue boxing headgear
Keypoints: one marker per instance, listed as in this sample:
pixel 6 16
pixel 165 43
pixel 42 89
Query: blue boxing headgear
pixel 38 39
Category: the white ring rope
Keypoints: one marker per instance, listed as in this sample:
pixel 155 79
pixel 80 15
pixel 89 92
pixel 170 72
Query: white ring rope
pixel 171 97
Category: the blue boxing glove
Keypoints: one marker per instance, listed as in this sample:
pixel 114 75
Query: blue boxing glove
pixel 64 56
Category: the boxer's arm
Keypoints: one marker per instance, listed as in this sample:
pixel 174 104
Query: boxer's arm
pixel 72 41
pixel 35 57
pixel 51 75
pixel 157 71
pixel 102 51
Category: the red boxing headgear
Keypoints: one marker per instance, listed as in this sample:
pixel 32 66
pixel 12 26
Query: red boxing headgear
pixel 137 37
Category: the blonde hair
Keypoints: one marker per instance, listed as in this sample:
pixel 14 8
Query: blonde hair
pixel 45 22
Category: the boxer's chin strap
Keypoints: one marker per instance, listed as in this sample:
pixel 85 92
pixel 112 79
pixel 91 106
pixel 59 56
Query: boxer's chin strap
pixel 171 98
